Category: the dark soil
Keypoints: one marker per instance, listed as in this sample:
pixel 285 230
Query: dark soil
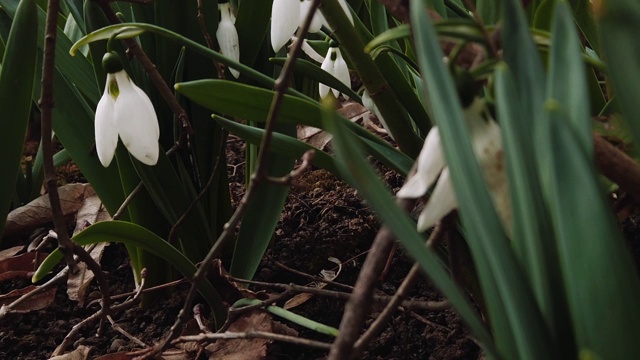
pixel 323 218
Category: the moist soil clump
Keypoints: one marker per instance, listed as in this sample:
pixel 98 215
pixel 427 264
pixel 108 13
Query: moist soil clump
pixel 323 218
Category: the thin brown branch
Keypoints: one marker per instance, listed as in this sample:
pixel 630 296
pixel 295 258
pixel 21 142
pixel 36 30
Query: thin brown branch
pixel 253 335
pixel 307 159
pixel 359 303
pixel 260 174
pixel 617 166
pixel 407 284
pixel 340 295
pixel 207 37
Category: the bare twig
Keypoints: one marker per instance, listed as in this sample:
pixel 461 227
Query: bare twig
pixel 359 303
pixel 407 284
pixel 307 159
pixel 280 87
pixel 253 335
pixel 293 288
pixel 207 38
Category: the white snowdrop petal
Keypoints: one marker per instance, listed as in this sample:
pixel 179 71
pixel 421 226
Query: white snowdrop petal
pixel 227 36
pixel 316 22
pixel 328 66
pixel 442 201
pixel 105 129
pixel 309 50
pixel 430 164
pixel 136 121
pixel 345 8
pixel 285 16
pixel 341 71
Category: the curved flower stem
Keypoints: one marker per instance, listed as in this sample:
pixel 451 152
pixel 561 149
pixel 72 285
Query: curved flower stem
pixel 395 115
pixel 260 175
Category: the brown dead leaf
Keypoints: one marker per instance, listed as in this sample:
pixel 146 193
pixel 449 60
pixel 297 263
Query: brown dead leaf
pixel 123 355
pixel 40 300
pixel 242 349
pixel 302 298
pixel 320 138
pixel 20 266
pixel 90 212
pixel 77 284
pixel 7 253
pixel 38 212
pixel 81 353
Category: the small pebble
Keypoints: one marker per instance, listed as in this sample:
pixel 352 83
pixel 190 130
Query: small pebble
pixel 117 344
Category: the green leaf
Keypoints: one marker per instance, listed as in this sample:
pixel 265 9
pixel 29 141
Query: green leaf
pixel 131 234
pixel 619 22
pixel 521 332
pixel 581 215
pixel 16 85
pixel 534 240
pixel 566 80
pixel 252 103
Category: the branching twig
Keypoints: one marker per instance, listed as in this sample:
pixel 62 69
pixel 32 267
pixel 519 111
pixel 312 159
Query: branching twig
pixel 253 335
pixel 207 37
pixel 229 228
pixel 359 303
pixel 407 284
pixel 293 288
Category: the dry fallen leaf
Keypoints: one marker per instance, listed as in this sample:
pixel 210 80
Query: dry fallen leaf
pixel 242 349
pixel 81 353
pixel 38 212
pixel 20 266
pixel 39 300
pixel 77 284
pixel 7 253
pixel 302 298
pixel 123 355
pixel 320 138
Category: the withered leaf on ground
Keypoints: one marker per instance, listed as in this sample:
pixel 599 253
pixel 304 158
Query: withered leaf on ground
pixel 20 266
pixel 12 251
pixel 302 298
pixel 77 284
pixel 40 300
pixel 320 138
pixel 242 349
pixel 38 212
pixel 81 353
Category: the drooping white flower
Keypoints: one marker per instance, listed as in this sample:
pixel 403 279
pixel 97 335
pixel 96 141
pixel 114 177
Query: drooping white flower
pixel 487 145
pixel 125 110
pixel 227 36
pixel 288 15
pixel 368 103
pixel 335 65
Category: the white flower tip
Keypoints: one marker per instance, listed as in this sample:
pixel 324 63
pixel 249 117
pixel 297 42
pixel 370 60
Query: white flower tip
pixel 442 202
pixel 285 16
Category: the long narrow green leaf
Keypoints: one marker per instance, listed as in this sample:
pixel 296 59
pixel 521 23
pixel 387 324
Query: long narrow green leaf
pixel 533 229
pixel 252 104
pixel 354 165
pixel 594 260
pixel 497 265
pixel 128 233
pixel 16 85
pixel 619 23
pixel 566 82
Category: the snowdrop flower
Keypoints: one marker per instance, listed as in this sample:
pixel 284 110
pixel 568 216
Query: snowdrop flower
pixel 287 15
pixel 487 145
pixel 335 65
pixel 368 104
pixel 125 110
pixel 227 35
